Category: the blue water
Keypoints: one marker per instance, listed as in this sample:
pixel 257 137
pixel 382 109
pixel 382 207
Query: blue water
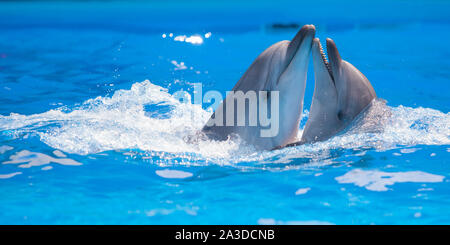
pixel 90 132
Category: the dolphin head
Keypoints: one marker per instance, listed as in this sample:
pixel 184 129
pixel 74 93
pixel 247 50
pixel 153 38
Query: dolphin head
pixel 341 92
pixel 354 90
pixel 282 67
pixel 291 85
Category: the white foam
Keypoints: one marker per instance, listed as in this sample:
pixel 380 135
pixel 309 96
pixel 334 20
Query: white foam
pixel 178 66
pixel 190 210
pixel 409 150
pixel 46 168
pixel 5 148
pixel 375 180
pixel 173 174
pixel 7 176
pixel 33 159
pixel 302 191
pixel 270 221
pixel 59 153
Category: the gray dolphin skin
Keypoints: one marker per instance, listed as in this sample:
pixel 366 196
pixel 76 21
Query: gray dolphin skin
pixel 282 68
pixel 341 93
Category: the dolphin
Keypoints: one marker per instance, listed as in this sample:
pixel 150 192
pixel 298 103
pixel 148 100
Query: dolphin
pixel 281 69
pixel 341 93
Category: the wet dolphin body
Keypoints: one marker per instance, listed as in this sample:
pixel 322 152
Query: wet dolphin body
pixel 282 67
pixel 341 93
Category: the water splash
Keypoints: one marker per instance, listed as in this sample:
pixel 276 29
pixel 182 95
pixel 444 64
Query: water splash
pixel 122 121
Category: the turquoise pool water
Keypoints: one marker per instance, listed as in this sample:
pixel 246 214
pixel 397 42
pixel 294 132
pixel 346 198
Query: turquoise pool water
pixel 90 132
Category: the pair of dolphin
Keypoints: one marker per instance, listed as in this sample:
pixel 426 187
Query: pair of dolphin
pixel 341 92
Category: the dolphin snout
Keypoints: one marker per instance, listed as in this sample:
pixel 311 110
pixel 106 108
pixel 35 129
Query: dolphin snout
pixel 333 54
pixel 308 34
pixel 308 31
pixel 304 36
pixel 310 28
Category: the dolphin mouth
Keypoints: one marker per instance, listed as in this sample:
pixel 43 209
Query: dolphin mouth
pixel 325 60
